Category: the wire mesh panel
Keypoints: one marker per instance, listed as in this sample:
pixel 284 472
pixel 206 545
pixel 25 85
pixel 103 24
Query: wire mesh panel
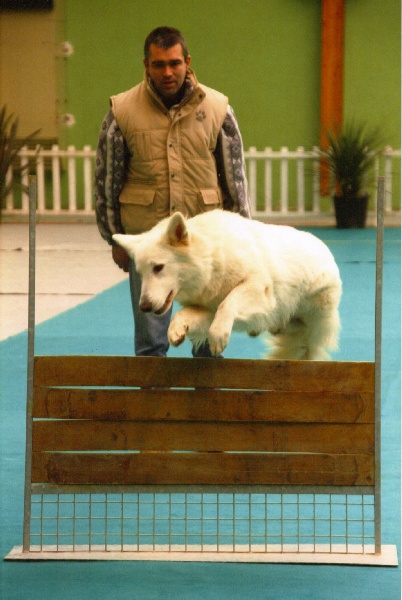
pixel 198 522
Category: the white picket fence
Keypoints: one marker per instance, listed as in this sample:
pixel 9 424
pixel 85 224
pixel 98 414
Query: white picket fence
pixel 284 185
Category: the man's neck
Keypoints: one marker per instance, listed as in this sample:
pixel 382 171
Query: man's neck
pixel 185 92
pixel 169 102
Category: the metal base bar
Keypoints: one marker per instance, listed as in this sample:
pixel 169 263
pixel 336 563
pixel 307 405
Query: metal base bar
pixel 386 558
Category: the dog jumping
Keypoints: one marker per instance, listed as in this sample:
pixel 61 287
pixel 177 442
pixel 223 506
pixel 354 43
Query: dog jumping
pixel 232 273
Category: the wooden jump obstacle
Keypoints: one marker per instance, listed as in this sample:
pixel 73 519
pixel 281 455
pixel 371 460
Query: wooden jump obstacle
pixel 243 432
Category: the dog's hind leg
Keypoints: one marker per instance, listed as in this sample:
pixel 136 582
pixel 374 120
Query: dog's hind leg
pixel 290 342
pixel 311 336
pixel 323 324
pixel 192 322
pixel 323 335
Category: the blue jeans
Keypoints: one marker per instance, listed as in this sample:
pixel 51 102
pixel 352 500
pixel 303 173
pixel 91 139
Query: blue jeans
pixel 150 331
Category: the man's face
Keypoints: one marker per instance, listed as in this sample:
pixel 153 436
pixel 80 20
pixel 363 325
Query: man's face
pixel 167 69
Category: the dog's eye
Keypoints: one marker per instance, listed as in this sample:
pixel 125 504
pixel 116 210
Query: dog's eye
pixel 158 268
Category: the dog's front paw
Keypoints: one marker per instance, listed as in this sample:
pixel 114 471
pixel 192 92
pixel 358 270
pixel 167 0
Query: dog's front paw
pixel 177 331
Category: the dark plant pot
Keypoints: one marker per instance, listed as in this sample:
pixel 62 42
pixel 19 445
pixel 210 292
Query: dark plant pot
pixel 350 212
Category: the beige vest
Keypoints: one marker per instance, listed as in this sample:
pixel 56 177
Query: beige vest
pixel 171 166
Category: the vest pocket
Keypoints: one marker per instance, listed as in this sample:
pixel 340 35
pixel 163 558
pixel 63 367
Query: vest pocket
pixel 211 198
pixel 135 195
pixel 137 209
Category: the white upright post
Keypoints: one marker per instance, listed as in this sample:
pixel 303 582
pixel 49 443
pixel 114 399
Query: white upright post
pixel 378 334
pixel 30 366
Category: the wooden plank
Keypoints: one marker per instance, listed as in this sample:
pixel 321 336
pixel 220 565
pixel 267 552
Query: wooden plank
pixel 202 468
pixel 191 436
pixel 204 373
pixel 203 405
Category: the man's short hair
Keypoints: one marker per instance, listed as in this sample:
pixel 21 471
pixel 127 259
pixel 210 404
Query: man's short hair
pixel 165 37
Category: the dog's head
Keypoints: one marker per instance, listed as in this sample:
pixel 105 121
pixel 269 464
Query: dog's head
pixel 159 255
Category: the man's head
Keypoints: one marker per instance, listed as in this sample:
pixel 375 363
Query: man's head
pixel 165 37
pixel 166 60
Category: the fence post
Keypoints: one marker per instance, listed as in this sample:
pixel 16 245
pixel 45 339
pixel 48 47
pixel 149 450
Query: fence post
pixel 268 180
pixel 40 174
pixel 87 179
pixel 252 179
pixel 284 180
pixel 316 180
pixel 24 179
pixel 10 195
pixel 300 179
pixel 56 178
pixel 72 180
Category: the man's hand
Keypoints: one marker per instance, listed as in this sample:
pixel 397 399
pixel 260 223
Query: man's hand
pixel 121 258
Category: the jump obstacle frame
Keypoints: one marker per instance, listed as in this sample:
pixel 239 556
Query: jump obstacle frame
pixel 148 458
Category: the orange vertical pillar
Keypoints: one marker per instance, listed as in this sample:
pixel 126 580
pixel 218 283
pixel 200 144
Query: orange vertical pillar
pixel 332 62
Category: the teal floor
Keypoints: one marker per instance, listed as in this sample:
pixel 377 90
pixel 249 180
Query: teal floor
pixel 104 326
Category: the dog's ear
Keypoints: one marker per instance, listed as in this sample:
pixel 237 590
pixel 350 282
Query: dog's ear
pixel 128 242
pixel 177 233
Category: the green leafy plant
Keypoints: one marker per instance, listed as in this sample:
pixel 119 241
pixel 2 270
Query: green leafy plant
pixel 350 157
pixel 10 145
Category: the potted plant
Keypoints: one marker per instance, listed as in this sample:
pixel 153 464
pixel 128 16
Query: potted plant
pixel 349 160
pixel 10 145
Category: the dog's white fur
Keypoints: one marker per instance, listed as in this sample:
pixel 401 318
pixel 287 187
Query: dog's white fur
pixel 229 272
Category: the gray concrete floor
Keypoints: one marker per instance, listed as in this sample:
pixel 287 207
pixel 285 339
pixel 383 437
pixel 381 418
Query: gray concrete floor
pixel 73 264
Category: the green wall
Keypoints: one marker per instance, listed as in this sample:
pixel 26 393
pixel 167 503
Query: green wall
pixel 373 64
pixel 264 54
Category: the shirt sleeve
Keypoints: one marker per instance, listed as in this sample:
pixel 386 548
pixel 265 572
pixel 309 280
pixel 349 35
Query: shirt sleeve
pixel 110 173
pixel 229 155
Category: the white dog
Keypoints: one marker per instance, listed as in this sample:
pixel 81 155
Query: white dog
pixel 229 272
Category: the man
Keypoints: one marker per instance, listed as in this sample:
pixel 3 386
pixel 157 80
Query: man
pixel 168 144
